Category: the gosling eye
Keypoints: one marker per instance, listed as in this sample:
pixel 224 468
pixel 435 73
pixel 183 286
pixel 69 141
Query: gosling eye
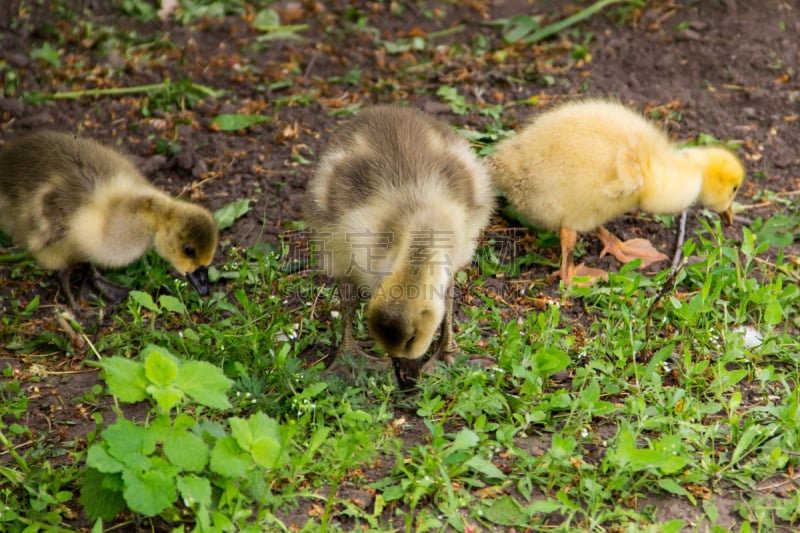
pixel 735 188
pixel 189 251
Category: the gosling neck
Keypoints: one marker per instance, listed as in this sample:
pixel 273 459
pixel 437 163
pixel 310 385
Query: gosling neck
pixel 155 209
pixel 428 249
pixel 675 183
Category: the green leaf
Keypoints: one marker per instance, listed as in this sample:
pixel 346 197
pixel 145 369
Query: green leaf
pixel 774 313
pixel 150 492
pixel 779 230
pixel 711 510
pixel 519 26
pixel 505 511
pixel 261 436
pixel 237 121
pixel 46 53
pixel 99 459
pixel 204 383
pixel 194 490
pixel 228 459
pixel 186 451
pixel 465 439
pixel 129 443
pixel 98 501
pixel 228 214
pixel 144 300
pixel 670 485
pixel 266 20
pixel 671 526
pixel 562 447
pixel 672 464
pixel 166 397
pixel 485 467
pixel 160 366
pixel 126 379
pixel 746 442
pixel 545 506
pixel 395 492
pixel 548 361
pixel 172 304
pixel 451 95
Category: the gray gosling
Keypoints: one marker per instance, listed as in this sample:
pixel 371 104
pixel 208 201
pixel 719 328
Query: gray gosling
pixel 72 200
pixel 398 203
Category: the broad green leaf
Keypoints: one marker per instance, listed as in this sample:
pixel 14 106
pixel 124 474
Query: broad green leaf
pixel 229 213
pixel 129 443
pixel 166 396
pixel 465 439
pixel 670 485
pixel 194 490
pixel 228 459
pixel 779 231
pixel 394 492
pixel 747 441
pixel 773 315
pixel 519 26
pixel 548 361
pixel 186 451
pixel 485 467
pixel 671 526
pixel 150 492
pixel 240 430
pixel 125 378
pixel 711 510
pixel 261 436
pixel 313 390
pixel 98 501
pixel 505 511
pixel 160 366
pixel 144 299
pixel 562 447
pixel 545 506
pixel 267 452
pixel 237 121
pixel 645 459
pixel 266 20
pixel 204 383
pixel 672 464
pixel 172 304
pixel 99 459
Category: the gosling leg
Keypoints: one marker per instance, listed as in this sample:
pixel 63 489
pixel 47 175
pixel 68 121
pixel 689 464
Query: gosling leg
pixel 569 237
pixel 447 348
pixel 63 281
pixel 350 300
pixel 114 292
pixel 627 251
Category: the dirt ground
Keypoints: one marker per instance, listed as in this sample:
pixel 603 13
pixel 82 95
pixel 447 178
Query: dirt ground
pixel 726 68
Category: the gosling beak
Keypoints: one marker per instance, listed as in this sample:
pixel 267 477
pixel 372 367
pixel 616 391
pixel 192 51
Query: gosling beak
pixel 407 371
pixel 199 279
pixel 727 216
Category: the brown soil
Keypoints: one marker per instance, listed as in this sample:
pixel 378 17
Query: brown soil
pixel 727 68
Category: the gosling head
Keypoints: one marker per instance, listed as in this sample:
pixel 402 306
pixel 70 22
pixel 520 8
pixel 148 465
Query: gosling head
pixel 403 319
pixel 722 176
pixel 189 241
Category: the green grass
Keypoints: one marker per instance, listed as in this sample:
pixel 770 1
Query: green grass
pixel 655 391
